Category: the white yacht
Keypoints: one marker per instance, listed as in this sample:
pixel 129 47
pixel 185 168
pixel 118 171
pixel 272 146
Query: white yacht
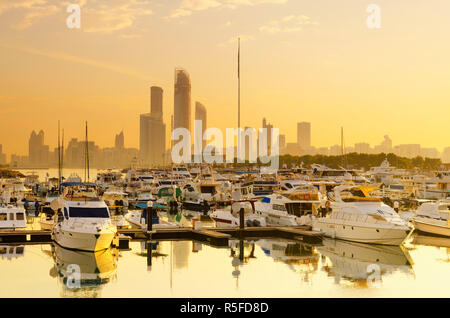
pixel 12 218
pixel 83 221
pixel 290 209
pixel 229 216
pixel 358 217
pixel 433 217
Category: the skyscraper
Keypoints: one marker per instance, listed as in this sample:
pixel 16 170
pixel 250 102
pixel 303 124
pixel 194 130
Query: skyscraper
pixel 38 153
pixel 182 100
pixel 119 141
pixel 152 137
pixel 2 156
pixel 200 114
pixel 304 135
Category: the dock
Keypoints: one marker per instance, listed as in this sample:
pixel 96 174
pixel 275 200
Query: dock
pixel 212 236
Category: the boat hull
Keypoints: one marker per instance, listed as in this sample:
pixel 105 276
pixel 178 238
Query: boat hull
pixel 83 241
pixel 361 233
pixel 427 225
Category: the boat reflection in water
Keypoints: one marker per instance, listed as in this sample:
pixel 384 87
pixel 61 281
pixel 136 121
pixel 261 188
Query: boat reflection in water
pixel 300 257
pixel 11 252
pixel 435 241
pixel 363 265
pixel 83 274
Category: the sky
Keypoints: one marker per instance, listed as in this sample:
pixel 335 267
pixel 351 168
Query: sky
pixel 301 60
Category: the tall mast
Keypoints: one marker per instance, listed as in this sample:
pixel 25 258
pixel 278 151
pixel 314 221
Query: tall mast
pixel 239 97
pixel 239 82
pixel 87 153
pixel 62 155
pixel 59 159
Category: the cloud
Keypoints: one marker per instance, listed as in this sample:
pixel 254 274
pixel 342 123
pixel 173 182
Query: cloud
pixel 96 15
pixel 187 7
pixel 114 16
pixel 290 23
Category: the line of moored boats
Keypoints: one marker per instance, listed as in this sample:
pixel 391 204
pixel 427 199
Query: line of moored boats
pixel 382 206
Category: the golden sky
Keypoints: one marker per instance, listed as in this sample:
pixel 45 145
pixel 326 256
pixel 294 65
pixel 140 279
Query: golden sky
pixel 302 60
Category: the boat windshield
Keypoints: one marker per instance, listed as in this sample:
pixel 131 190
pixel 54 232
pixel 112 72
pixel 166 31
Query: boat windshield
pixel 76 212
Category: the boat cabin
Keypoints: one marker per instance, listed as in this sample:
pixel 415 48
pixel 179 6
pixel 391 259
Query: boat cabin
pixel 12 218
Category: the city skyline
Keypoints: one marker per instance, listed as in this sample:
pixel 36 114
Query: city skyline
pixel 299 63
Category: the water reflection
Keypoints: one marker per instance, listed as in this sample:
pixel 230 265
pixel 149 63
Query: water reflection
pixel 363 264
pixel 435 241
pixel 300 257
pixel 83 274
pixel 11 252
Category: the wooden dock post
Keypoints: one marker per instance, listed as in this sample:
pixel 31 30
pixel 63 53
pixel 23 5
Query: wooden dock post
pixel 149 219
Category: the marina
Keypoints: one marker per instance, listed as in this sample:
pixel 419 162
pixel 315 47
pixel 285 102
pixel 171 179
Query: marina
pixel 287 238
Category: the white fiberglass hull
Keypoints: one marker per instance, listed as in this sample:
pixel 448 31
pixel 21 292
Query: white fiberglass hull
pixel 361 233
pixel 431 226
pixel 83 241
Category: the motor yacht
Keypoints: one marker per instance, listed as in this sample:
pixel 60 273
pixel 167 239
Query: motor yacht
pixel 291 208
pixel 355 216
pixel 229 216
pixel 83 220
pixel 12 217
pixel 433 218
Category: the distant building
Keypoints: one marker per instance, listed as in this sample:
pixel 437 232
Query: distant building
pixel 384 147
pixel 431 153
pixel 335 150
pixel 362 147
pixel 293 148
pixel 182 100
pixel 201 114
pixel 304 135
pixel 38 153
pixel 446 155
pixel 120 141
pixel 2 156
pixel 408 151
pixel 152 137
pixel 282 144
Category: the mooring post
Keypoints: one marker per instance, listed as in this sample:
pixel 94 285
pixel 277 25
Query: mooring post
pixel 149 219
pixel 241 219
pixel 241 251
pixel 149 255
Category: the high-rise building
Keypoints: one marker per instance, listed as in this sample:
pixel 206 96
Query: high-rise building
pixel 182 100
pixel 200 114
pixel 269 128
pixel 120 141
pixel 304 135
pixel 38 153
pixel 2 156
pixel 152 139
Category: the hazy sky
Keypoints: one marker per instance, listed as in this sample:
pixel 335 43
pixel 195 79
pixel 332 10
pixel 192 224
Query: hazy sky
pixel 302 60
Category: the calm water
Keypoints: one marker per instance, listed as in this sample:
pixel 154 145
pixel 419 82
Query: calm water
pixel 270 268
